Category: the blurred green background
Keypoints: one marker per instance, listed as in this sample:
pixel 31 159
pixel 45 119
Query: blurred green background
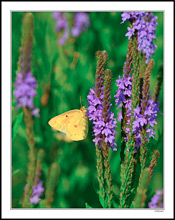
pixel 64 73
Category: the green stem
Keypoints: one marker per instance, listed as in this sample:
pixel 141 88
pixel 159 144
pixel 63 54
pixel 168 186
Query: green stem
pixel 51 183
pixel 40 157
pixel 32 156
pixel 127 167
pixel 100 175
pixel 139 201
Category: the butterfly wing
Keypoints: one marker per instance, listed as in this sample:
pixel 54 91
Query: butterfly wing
pixel 77 129
pixel 60 122
pixel 74 123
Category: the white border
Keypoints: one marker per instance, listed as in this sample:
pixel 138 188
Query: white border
pixel 7 7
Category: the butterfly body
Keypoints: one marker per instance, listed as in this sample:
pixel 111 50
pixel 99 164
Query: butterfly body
pixel 74 123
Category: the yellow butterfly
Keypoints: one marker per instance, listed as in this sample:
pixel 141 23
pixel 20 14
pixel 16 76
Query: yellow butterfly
pixel 74 123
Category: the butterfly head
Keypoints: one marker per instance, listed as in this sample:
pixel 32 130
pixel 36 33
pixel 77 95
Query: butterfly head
pixel 83 109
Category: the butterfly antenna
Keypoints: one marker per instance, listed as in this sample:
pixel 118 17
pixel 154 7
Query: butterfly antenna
pixel 80 103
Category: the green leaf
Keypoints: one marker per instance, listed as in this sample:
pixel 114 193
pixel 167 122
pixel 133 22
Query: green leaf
pixel 102 202
pixel 88 206
pixel 16 125
pixel 15 172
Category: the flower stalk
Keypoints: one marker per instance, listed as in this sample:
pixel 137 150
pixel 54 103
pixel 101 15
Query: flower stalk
pixel 105 148
pixel 127 168
pixel 126 73
pixel 145 176
pixel 51 183
pixel 25 84
pixel 31 155
pixel 99 112
pixel 39 161
pixel 144 105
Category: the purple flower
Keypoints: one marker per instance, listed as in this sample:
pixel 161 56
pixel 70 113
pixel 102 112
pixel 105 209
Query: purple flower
pixel 24 93
pixel 142 121
pixel 124 89
pixel 81 23
pixel 157 200
pixel 144 24
pixel 34 199
pixel 130 32
pixel 62 26
pixel 35 112
pixel 120 117
pixel 125 16
pixel 37 191
pixel 123 95
pixel 100 128
pixel 131 15
pixel 146 119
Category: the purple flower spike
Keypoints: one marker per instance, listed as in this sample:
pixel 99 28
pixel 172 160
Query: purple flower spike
pixel 144 24
pixel 148 118
pixel 95 114
pixel 80 23
pixel 99 106
pixel 24 93
pixel 61 26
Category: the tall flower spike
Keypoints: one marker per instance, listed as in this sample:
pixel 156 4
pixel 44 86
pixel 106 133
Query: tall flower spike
pixel 109 120
pixel 108 132
pixel 144 24
pixel 32 157
pixel 123 97
pixel 95 97
pixel 127 168
pixel 25 84
pixel 51 183
pixel 24 93
pixel 104 127
pixel 94 113
pixel 144 116
pixel 141 112
pixel 99 112
pixel 62 27
pixel 37 188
